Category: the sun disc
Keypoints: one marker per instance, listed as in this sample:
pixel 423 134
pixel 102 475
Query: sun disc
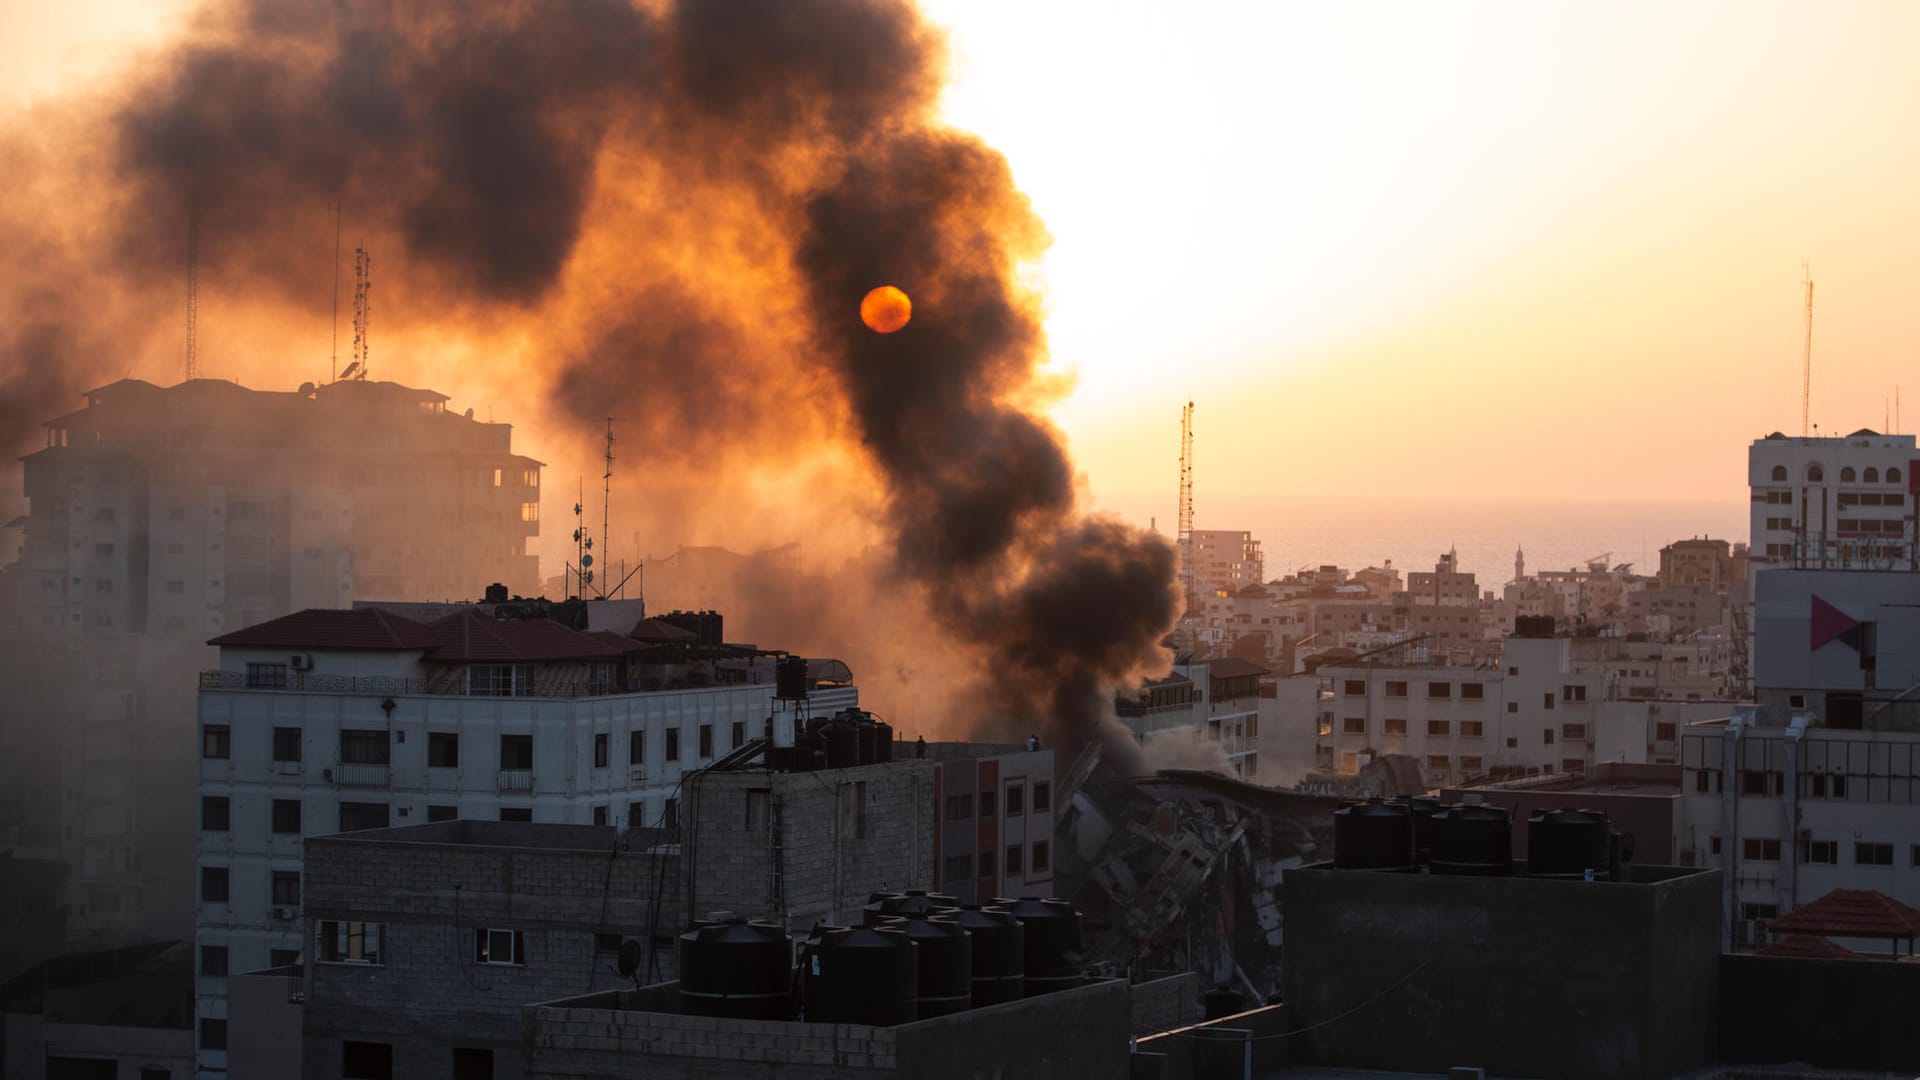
pixel 885 309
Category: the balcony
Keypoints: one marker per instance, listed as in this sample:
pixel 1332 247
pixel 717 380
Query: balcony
pixel 314 683
pixel 511 780
pixel 360 776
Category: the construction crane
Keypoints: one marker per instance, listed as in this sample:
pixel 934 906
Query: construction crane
pixel 1186 502
pixel 1806 359
pixel 193 284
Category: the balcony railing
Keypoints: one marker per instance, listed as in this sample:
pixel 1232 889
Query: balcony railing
pixel 367 776
pixel 313 682
pixel 1139 708
pixel 516 780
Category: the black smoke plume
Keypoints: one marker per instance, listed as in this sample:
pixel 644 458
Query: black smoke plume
pixel 662 212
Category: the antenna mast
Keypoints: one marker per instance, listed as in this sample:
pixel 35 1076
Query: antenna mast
pixel 362 312
pixel 1806 359
pixel 582 543
pixel 1186 501
pixel 193 284
pixel 606 496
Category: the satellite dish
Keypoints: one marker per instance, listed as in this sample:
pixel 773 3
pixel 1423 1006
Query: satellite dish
pixel 586 560
pixel 630 958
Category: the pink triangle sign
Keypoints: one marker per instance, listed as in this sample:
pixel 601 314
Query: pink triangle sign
pixel 1829 622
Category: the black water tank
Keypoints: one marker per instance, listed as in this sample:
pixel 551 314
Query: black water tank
pixel 882 741
pixel 1222 1001
pixel 1568 844
pixel 790 682
pixel 946 963
pixel 1422 807
pixel 706 626
pixel 1054 958
pixel 868 734
pixel 999 953
pixel 913 903
pixel 860 975
pixel 1472 840
pixel 806 748
pixel 1373 835
pixel 737 969
pixel 842 741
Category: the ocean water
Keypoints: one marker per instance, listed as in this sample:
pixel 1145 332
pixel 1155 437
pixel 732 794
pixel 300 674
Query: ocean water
pixel 1298 531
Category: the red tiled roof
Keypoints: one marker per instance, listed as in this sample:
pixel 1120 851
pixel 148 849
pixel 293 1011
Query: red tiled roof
pixel 662 632
pixel 1857 913
pixel 618 642
pixel 1808 946
pixel 1228 667
pixel 471 636
pixel 330 628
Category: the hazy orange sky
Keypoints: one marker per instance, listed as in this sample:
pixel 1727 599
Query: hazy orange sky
pixel 1459 249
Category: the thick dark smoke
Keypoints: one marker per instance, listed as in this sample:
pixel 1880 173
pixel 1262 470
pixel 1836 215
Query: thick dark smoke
pixel 666 213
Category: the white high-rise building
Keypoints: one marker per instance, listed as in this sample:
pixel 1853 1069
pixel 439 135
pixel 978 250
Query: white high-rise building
pixel 328 721
pixel 1833 503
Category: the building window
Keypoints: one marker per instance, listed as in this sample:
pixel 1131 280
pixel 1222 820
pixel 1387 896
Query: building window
pixel 215 813
pixel 959 868
pixel 356 816
pixel 1396 688
pixel 500 680
pixel 1713 844
pixel 739 735
pixel 1395 725
pixel 1439 690
pixel 599 815
pixel 1355 688
pixel 1871 476
pixel 1016 800
pixel 516 813
pixel 1042 796
pixel 1815 474
pixel 670 814
pixel 1354 725
pixel 987 798
pixel 499 946
pixel 1437 763
pixel 959 808
pixel 987 867
pixel 443 749
pixel 1513 706
pixel 1573 765
pixel 1470 765
pixel 216 741
pixel 706 741
pixel 1039 856
pixel 1573 693
pixel 1871 854
pixel 673 746
pixel 286 888
pixel 1825 852
pixel 1547 699
pixel 366 1060
pixel 1573 731
pixel 1760 783
pixel 636 748
pixel 516 752
pixel 1546 736
pixel 1846 475
pixel 213 959
pixel 213 1033
pixel 1471 728
pixel 1893 476
pixel 600 750
pixel 442 813
pixel 266 676
pixel 1665 732
pixel 286 817
pixel 1472 691
pixel 1779 474
pixel 364 747
pixel 1013 859
pixel 213 884
pixel 1326 723
pixel 286 744
pixel 348 942
pixel 1755 849
pixel 1440 727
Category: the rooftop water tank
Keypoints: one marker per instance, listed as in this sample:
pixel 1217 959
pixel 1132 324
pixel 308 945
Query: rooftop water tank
pixel 946 963
pixel 913 902
pixel 1373 835
pixel 737 969
pixel 790 682
pixel 860 975
pixel 882 741
pixel 1422 807
pixel 1571 844
pixel 1054 958
pixel 842 742
pixel 1471 840
pixel 999 953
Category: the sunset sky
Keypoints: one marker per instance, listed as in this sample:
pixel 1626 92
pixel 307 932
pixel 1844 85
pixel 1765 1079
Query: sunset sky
pixel 1447 249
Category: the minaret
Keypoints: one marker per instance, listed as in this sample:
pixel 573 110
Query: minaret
pixel 1519 563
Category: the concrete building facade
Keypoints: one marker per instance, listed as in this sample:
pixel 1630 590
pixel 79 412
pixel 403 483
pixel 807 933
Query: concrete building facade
pixel 995 834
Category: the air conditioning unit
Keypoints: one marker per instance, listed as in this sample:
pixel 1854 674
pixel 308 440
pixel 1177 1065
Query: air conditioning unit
pixel 637 773
pixel 285 913
pixel 301 661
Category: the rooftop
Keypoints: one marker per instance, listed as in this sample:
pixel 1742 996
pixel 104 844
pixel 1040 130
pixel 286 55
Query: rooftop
pixel 465 832
pixel 1855 913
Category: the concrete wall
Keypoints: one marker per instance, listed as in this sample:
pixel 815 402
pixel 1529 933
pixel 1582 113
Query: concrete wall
pixel 264 1022
pixel 1521 976
pixel 28 1041
pixel 1079 1032
pixel 1167 1003
pixel 1254 1041
pixel 1834 1014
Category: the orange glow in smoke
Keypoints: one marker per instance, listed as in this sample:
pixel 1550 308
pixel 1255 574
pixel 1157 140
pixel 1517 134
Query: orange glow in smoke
pixel 885 309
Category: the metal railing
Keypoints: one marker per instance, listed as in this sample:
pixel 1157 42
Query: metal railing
pixel 516 780
pixel 316 682
pixel 356 775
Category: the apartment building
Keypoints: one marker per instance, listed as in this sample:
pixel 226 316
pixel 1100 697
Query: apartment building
pixel 994 837
pixel 330 721
pixel 1226 559
pixel 1833 503
pixel 160 516
pixel 1216 701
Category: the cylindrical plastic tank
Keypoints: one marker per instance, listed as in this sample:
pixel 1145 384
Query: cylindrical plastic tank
pixel 1373 835
pixel 737 969
pixel 842 739
pixel 1472 840
pixel 790 680
pixel 860 975
pixel 1222 1001
pixel 1569 844
pixel 999 953
pixel 1053 952
pixel 869 738
pixel 1422 807
pixel 945 959
pixel 912 903
pixel 882 741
